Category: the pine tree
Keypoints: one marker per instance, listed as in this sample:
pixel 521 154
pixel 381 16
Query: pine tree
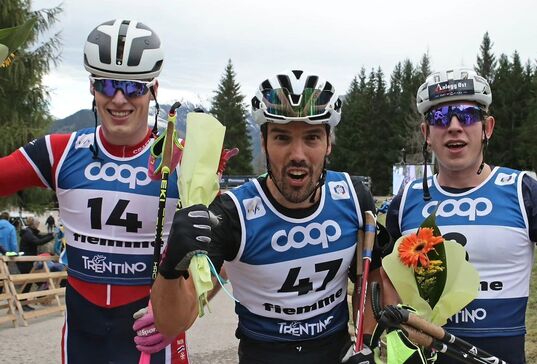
pixel 345 132
pixel 229 109
pixel 527 148
pixel 486 61
pixel 24 113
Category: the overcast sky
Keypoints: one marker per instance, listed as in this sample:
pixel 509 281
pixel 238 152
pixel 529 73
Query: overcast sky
pixel 334 38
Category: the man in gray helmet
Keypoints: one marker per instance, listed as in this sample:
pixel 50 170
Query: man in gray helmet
pixel 288 237
pixel 490 210
pixel 107 201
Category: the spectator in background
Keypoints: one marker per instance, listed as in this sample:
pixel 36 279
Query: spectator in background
pixel 8 236
pixel 30 240
pixel 51 224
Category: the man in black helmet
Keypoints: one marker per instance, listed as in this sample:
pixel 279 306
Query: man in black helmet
pixel 491 211
pixel 288 237
pixel 107 201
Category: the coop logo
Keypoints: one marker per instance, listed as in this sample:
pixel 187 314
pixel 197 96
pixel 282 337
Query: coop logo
pixel 465 207
pixel 133 176
pixel 300 236
pixel 98 264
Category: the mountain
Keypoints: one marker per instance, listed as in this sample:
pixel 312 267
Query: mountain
pixel 84 119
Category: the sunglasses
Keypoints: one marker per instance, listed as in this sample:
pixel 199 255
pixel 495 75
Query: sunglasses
pixel 311 102
pixel 130 88
pixel 466 114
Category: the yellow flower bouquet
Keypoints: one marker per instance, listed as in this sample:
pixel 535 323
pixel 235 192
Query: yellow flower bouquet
pixel 431 274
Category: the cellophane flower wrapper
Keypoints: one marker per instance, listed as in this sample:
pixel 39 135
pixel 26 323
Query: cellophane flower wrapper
pixel 455 287
pixel 198 183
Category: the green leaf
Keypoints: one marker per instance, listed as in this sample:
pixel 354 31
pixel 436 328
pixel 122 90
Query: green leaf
pixel 4 52
pixel 433 293
pixel 430 222
pixel 14 37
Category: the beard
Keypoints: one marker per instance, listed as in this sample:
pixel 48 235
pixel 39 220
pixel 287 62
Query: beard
pixel 295 194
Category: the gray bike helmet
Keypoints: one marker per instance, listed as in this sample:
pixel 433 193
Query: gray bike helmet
pixel 296 95
pixel 123 49
pixel 458 84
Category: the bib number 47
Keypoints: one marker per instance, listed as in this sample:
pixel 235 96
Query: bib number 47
pixel 303 285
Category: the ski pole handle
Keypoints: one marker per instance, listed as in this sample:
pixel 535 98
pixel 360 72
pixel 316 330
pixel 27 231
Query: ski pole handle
pixel 445 337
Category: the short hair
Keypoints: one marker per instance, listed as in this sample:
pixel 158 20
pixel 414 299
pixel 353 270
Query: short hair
pixel 4 215
pixel 32 222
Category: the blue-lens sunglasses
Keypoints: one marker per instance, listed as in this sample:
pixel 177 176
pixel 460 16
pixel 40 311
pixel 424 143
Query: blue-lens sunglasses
pixel 130 88
pixel 467 115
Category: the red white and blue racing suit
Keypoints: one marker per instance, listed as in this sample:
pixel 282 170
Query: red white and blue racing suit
pixel 108 207
pixel 497 223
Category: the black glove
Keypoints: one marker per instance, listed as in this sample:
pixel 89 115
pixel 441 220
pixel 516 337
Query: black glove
pixel 190 235
pixel 365 356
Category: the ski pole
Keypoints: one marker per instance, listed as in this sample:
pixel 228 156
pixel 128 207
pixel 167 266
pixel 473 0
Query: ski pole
pixel 167 151
pixel 370 228
pixel 432 336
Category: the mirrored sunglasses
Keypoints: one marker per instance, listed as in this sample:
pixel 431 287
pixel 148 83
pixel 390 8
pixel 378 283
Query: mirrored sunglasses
pixel 311 102
pixel 466 114
pixel 130 88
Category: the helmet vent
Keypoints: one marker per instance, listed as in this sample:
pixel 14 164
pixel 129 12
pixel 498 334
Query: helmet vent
pixel 297 73
pixel 311 82
pixel 285 83
pixel 266 85
pixel 122 36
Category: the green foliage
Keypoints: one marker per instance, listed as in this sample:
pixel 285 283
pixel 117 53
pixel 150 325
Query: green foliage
pixel 229 109
pixel 486 61
pixel 513 107
pixel 24 104
pixel 378 121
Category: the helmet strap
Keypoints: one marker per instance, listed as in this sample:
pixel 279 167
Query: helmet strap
pixel 425 153
pixel 157 110
pixel 94 148
pixel 485 143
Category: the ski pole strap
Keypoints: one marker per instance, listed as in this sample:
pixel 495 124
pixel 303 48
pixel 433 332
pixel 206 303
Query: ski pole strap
pixel 220 280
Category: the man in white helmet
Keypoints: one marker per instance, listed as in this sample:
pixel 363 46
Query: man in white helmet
pixel 107 201
pixel 490 210
pixel 288 237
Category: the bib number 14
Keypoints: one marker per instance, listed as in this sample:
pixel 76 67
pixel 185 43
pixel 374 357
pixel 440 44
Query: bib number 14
pixel 130 221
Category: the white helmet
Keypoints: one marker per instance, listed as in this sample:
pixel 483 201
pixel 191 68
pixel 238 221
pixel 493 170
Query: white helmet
pixel 123 49
pixel 296 95
pixel 459 84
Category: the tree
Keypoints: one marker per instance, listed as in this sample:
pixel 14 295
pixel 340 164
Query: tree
pixel 348 134
pixel 24 113
pixel 486 61
pixel 228 107
pixel 511 95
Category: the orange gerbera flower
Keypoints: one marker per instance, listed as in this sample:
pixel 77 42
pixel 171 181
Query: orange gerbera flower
pixel 414 247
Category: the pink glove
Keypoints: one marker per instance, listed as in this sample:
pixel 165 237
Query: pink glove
pixel 148 339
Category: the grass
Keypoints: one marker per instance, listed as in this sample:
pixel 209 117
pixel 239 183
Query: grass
pixel 531 320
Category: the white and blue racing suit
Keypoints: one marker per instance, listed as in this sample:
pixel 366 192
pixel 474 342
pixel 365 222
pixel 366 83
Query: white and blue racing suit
pixel 496 222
